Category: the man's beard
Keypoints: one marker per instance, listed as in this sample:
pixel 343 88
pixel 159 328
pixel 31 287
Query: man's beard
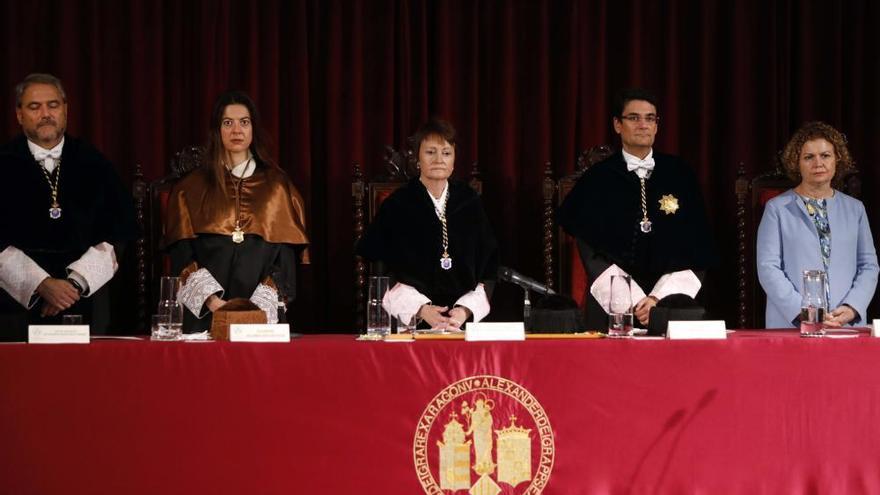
pixel 39 135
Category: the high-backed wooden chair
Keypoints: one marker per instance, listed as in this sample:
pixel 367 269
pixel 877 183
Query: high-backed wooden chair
pixel 151 201
pixel 563 269
pixel 751 197
pixel 400 167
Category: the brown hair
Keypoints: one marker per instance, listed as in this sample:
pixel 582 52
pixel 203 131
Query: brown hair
pixel 433 127
pixel 215 153
pixel 816 130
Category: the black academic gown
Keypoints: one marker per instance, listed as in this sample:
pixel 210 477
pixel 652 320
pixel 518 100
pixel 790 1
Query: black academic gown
pixel 406 236
pixel 604 209
pixel 95 207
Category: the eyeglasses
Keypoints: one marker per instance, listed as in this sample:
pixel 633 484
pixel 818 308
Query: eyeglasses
pixel 634 118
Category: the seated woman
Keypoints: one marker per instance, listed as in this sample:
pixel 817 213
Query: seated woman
pixel 236 224
pixel 434 237
pixel 815 227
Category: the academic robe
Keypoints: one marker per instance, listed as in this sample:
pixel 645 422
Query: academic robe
pixel 406 236
pixel 95 208
pixel 198 234
pixel 604 210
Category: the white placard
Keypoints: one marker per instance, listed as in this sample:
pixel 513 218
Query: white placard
pixel 696 329
pixel 262 332
pixel 58 334
pixel 875 328
pixel 483 332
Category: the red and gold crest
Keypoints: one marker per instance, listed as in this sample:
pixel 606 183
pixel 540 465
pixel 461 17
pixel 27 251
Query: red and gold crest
pixel 484 435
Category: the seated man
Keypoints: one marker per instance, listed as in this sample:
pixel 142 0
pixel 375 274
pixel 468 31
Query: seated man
pixel 65 217
pixel 641 211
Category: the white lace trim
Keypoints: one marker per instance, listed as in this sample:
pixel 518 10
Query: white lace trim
pixel 403 301
pixel 20 276
pixel 96 266
pixel 477 301
pixel 198 288
pixel 266 298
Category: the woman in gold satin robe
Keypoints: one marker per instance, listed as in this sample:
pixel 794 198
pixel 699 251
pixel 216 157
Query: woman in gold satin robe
pixel 235 226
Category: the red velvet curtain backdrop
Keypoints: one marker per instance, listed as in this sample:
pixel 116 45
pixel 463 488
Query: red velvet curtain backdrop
pixel 525 82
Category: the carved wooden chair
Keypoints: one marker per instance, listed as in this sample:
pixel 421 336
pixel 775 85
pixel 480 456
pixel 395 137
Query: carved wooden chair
pixel 563 269
pixel 151 201
pixel 400 167
pixel 751 197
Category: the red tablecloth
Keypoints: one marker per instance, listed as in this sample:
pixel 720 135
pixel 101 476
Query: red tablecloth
pixel 758 413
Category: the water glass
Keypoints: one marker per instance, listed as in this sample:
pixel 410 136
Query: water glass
pixel 620 313
pixel 167 324
pixel 158 326
pixel 378 320
pixel 407 323
pixel 814 304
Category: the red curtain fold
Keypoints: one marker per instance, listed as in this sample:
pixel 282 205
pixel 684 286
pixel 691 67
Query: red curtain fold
pixel 525 83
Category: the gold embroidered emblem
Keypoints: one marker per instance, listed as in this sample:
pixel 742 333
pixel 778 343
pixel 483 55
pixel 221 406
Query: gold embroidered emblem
pixel 668 204
pixel 459 424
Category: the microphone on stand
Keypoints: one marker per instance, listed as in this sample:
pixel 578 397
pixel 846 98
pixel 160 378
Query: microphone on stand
pixel 510 275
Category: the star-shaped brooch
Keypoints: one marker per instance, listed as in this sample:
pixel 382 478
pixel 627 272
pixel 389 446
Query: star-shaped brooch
pixel 668 204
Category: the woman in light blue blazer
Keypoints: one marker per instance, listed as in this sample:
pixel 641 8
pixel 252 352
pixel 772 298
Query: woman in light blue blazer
pixel 816 227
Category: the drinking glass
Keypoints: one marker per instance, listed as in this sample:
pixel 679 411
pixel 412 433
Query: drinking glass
pixel 378 320
pixel 171 309
pixel 158 326
pixel 620 316
pixel 814 304
pixel 407 325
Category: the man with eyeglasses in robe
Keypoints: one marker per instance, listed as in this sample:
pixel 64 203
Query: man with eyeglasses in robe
pixel 641 213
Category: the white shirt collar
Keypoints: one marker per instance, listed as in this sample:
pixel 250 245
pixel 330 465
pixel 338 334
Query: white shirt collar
pixel 244 169
pixel 47 158
pixel 439 203
pixel 640 166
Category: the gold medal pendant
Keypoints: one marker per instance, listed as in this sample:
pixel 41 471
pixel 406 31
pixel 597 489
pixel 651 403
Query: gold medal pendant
pixel 446 262
pixel 237 235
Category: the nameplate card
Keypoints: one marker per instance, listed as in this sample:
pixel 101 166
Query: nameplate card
pixel 58 334
pixel 264 332
pixel 486 332
pixel 698 329
pixel 875 328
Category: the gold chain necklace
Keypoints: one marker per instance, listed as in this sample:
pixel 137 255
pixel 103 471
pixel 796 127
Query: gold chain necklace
pixel 238 234
pixel 645 224
pixel 445 259
pixel 55 209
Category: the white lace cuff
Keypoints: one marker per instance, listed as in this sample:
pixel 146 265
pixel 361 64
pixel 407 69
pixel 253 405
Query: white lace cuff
pixel 96 266
pixel 683 282
pixel 403 301
pixel 20 276
pixel 198 288
pixel 477 301
pixel 266 298
pixel 601 288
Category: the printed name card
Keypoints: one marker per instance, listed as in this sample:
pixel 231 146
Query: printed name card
pixel 875 328
pixel 58 334
pixel 699 329
pixel 485 332
pixel 265 332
